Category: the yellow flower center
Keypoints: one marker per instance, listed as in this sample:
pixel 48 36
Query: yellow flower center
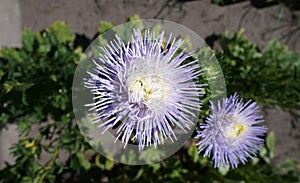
pixel 235 130
pixel 151 90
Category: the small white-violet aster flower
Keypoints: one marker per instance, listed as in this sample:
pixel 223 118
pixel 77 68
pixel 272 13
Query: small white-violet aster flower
pixel 144 88
pixel 231 133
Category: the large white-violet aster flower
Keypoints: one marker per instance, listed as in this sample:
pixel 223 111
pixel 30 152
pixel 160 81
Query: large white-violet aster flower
pixel 145 88
pixel 231 133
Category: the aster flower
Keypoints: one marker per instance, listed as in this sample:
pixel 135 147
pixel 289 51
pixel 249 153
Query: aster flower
pixel 231 134
pixel 144 88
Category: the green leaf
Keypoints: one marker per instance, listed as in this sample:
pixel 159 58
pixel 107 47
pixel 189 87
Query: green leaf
pixel 104 26
pixel 13 55
pixel 288 165
pixel 223 170
pixel 138 175
pixel 264 154
pixel 129 156
pixel 44 46
pixel 27 180
pixel 193 153
pixel 135 17
pixel 270 143
pixel 104 163
pixel 28 38
pixel 125 32
pixel 83 161
pixel 62 32
pixel 23 86
pixel 155 167
pixel 151 154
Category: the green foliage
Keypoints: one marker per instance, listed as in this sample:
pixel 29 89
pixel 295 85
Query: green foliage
pixel 35 90
pixel 36 82
pixel 268 77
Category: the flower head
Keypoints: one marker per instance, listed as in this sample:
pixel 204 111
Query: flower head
pixel 144 88
pixel 231 134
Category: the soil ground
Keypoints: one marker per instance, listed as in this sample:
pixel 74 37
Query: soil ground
pixel 203 17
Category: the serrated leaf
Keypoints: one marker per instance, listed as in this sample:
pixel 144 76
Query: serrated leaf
pixel 62 32
pixel 28 38
pixel 126 31
pixel 135 17
pixel 12 54
pixel 23 126
pixel 104 26
pixel 44 46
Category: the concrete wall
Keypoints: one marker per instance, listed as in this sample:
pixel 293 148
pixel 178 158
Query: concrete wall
pixel 10 35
